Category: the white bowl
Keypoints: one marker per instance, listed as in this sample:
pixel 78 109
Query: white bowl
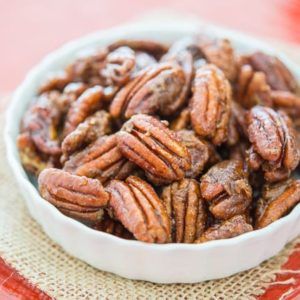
pixel 170 263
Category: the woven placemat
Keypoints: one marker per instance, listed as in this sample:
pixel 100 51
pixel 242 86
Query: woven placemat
pixel 25 247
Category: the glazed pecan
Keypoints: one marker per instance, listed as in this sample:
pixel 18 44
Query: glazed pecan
pixel 97 125
pixel 235 226
pixel 210 104
pixel 278 75
pixel 87 216
pixel 143 60
pixel 198 149
pixel 186 209
pixel 136 205
pixel 102 159
pixel 226 189
pixel 72 193
pixel 277 200
pixel 56 81
pixel 148 143
pixel 182 121
pixel 159 88
pixel 90 101
pixel 274 146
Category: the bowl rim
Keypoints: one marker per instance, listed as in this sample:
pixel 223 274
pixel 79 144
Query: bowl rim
pixel 87 41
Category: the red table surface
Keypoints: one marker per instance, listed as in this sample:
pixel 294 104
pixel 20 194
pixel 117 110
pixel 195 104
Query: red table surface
pixel 30 29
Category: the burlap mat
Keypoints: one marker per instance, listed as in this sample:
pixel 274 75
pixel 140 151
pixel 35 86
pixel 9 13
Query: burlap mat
pixel 25 246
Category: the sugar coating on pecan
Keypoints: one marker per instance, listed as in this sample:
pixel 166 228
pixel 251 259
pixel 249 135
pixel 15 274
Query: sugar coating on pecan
pixel 71 192
pixel 233 227
pixel 137 206
pixel 274 142
pixel 149 143
pixel 277 200
pixel 186 209
pixel 158 88
pixel 226 189
pixel 210 104
pixel 102 159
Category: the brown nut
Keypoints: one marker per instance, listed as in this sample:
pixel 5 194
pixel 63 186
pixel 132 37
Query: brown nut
pixel 273 139
pixel 159 88
pixel 277 200
pixel 102 160
pixel 72 193
pixel 96 125
pixel 278 75
pixel 56 81
pixel 199 152
pixel 136 205
pixel 186 210
pixel 182 121
pixel 148 143
pixel 235 226
pixel 90 101
pixel 226 188
pixel 210 104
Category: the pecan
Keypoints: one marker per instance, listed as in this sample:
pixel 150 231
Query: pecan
pixel 182 121
pixel 235 226
pixel 97 125
pixel 198 149
pixel 56 81
pixel 72 193
pixel 148 143
pixel 277 200
pixel 90 101
pixel 274 142
pixel 102 159
pixel 119 66
pixel 210 104
pixel 278 75
pixel 143 60
pixel 186 209
pixel 89 217
pixel 159 88
pixel 226 189
pixel 136 205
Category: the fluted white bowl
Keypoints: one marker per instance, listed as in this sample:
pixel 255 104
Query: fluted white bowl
pixel 169 263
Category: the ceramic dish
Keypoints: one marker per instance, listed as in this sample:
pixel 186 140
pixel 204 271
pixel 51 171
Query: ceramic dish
pixel 169 263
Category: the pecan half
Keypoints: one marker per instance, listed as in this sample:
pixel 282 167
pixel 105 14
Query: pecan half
pixel 226 188
pixel 277 200
pixel 102 160
pixel 210 104
pixel 90 101
pixel 136 205
pixel 274 142
pixel 72 193
pixel 56 81
pixel 159 88
pixel 278 75
pixel 198 149
pixel 186 209
pixel 148 143
pixel 235 226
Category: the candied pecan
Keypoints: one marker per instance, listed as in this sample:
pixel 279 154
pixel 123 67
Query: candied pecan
pixel 182 121
pixel 32 161
pixel 159 88
pixel 198 149
pixel 235 226
pixel 143 60
pixel 88 217
pixel 148 143
pixel 89 101
pixel 273 142
pixel 277 200
pixel 226 188
pixel 151 47
pixel 56 81
pixel 278 75
pixel 102 159
pixel 186 209
pixel 119 66
pixel 252 88
pixel 220 53
pixel 96 125
pixel 136 205
pixel 210 104
pixel 72 193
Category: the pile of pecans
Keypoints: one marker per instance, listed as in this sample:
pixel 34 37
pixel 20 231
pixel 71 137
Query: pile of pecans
pixel 184 143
